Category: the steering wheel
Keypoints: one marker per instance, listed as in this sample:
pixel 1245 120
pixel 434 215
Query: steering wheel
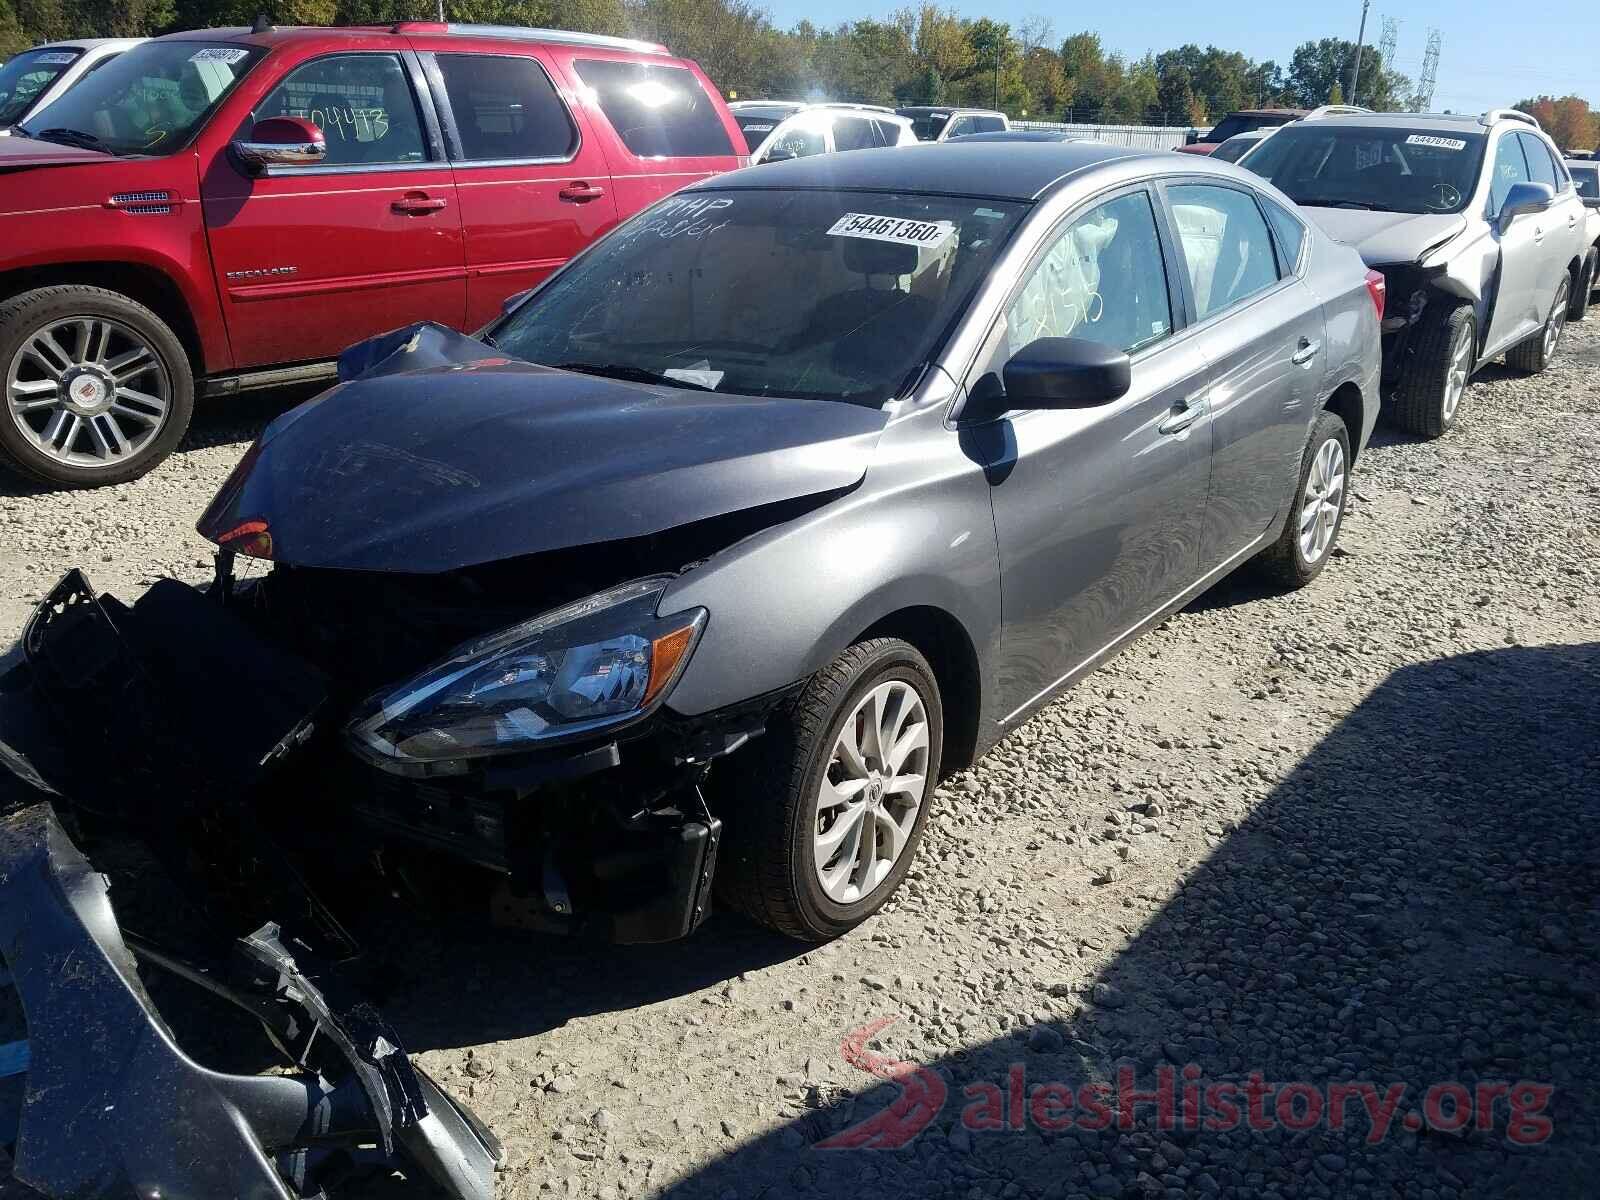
pixel 1445 196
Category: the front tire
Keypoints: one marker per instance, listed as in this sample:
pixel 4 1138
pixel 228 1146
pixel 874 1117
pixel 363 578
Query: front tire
pixel 824 814
pixel 1433 380
pixel 1538 352
pixel 94 387
pixel 1317 514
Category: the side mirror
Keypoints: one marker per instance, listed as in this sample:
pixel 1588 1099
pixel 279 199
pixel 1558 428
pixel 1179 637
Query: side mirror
pixel 1056 372
pixel 514 301
pixel 1525 198
pixel 281 142
pixel 1191 137
pixel 779 154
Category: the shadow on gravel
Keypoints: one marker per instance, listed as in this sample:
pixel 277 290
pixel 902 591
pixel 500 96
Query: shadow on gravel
pixel 1414 904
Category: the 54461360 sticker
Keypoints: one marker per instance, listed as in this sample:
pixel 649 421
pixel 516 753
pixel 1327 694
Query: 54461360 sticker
pixel 903 231
pixel 56 58
pixel 1438 143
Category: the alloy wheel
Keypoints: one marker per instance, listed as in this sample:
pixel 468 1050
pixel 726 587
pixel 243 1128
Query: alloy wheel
pixel 1460 370
pixel 88 391
pixel 1322 501
pixel 871 792
pixel 1557 322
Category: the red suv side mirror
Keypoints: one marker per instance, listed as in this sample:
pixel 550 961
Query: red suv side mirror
pixel 281 142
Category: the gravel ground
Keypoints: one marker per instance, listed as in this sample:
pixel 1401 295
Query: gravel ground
pixel 1335 838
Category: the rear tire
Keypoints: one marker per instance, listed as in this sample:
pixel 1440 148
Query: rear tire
pixel 1437 372
pixel 1578 302
pixel 776 849
pixel 95 388
pixel 1535 354
pixel 1311 530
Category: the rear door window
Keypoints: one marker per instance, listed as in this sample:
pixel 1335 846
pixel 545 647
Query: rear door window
pixel 1226 246
pixel 855 133
pixel 657 111
pixel 989 124
pixel 506 108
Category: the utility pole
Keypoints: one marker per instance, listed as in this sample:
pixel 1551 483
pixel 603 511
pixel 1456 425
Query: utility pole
pixel 441 11
pixel 1361 37
pixel 999 49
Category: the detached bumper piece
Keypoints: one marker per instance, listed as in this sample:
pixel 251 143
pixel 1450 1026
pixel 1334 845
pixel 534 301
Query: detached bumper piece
pixel 111 1106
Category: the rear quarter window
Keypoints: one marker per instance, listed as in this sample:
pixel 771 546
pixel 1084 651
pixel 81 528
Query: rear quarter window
pixel 657 111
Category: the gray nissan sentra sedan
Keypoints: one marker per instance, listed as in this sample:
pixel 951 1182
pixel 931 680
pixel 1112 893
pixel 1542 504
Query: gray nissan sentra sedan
pixel 702 565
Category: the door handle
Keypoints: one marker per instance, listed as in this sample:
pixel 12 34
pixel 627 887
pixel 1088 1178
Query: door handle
pixel 1184 414
pixel 1538 234
pixel 581 193
pixel 418 205
pixel 1305 353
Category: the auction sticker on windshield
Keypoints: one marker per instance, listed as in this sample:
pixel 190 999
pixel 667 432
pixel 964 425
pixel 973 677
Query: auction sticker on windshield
pixel 227 55
pixel 1440 143
pixel 902 231
pixel 56 58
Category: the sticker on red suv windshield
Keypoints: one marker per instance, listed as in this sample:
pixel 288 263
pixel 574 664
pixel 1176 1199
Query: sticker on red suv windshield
pixel 226 55
pixel 902 231
pixel 1438 143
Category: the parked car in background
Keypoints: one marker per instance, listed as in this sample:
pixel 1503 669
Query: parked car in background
pixel 938 123
pixel 225 208
pixel 1473 222
pixel 1243 121
pixel 31 79
pixel 1039 396
pixel 1586 180
pixel 827 129
pixel 758 118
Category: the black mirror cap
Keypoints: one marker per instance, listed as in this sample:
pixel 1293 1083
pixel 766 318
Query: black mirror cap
pixel 1056 372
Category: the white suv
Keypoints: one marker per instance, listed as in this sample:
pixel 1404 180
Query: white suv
pixel 32 79
pixel 1475 225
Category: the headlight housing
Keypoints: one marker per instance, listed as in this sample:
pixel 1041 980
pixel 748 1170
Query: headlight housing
pixel 603 661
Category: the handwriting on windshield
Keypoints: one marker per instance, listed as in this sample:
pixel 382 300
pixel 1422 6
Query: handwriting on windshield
pixel 684 217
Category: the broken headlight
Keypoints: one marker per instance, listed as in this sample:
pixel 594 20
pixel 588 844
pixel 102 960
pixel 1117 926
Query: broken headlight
pixel 599 662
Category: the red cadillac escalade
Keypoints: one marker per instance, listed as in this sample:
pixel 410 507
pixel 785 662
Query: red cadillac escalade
pixel 230 208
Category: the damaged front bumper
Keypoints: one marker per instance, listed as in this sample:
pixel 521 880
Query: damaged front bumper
pixel 104 1102
pixel 610 837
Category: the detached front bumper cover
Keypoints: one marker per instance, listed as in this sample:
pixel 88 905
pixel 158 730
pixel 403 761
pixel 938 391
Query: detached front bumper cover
pixel 113 1107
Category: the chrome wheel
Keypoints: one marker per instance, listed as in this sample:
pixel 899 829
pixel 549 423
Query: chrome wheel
pixel 1557 321
pixel 1322 501
pixel 1460 370
pixel 87 391
pixel 871 792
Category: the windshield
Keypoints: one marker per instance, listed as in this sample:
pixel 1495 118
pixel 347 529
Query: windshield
pixel 1237 123
pixel 147 101
pixel 755 128
pixel 24 79
pixel 815 295
pixel 1389 169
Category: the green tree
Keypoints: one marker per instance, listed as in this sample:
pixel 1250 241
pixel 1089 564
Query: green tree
pixel 1317 66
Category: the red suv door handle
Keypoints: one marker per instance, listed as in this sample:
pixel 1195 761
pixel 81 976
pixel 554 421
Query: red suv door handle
pixel 418 205
pixel 579 193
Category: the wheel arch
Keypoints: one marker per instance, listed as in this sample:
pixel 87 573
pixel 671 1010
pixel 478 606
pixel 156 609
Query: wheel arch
pixel 146 285
pixel 940 638
pixel 1347 404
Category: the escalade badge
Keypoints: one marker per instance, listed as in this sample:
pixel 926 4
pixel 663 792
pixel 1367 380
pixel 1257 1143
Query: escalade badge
pixel 262 272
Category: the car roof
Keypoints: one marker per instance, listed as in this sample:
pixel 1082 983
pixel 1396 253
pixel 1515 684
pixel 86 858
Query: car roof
pixel 1453 122
pixel 997 170
pixel 952 109
pixel 1267 112
pixel 87 43
pixel 1020 135
pixel 285 34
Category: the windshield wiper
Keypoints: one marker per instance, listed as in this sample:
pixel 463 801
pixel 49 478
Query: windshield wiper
pixel 73 137
pixel 629 373
pixel 1328 202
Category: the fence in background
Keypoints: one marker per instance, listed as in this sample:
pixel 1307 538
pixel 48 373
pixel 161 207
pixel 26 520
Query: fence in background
pixel 1150 137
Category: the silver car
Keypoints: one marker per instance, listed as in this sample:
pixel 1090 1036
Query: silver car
pixel 1586 181
pixel 33 79
pixel 1473 222
pixel 792 494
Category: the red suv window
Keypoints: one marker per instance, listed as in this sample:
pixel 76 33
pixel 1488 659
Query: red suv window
pixel 657 111
pixel 506 108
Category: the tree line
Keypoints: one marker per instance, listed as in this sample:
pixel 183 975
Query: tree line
pixel 914 55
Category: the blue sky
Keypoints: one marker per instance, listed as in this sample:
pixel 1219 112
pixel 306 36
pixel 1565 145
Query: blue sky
pixel 1494 53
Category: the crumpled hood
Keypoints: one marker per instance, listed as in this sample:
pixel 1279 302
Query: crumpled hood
pixel 1387 237
pixel 483 458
